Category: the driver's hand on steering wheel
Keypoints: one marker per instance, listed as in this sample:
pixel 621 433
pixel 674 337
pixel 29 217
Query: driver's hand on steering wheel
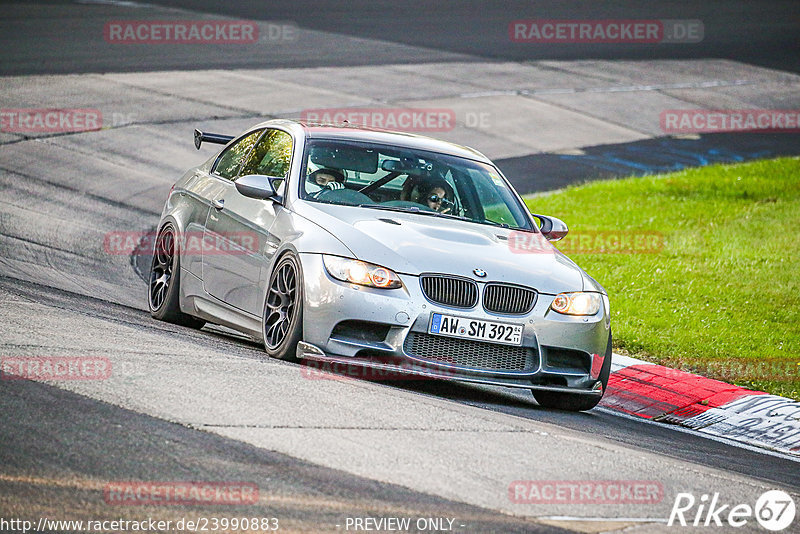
pixel 330 186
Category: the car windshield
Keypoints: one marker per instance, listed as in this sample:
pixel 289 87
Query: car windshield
pixel 403 179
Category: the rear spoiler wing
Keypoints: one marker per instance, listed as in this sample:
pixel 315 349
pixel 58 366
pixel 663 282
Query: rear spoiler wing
pixel 219 139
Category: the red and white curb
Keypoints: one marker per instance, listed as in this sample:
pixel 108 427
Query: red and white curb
pixel 650 391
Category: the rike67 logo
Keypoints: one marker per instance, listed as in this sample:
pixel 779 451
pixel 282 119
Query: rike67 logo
pixel 774 510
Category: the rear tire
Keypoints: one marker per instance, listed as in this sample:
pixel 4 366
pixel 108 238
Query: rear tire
pixel 574 402
pixel 163 295
pixel 282 324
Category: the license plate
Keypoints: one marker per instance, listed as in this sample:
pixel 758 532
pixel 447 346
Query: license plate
pixel 476 329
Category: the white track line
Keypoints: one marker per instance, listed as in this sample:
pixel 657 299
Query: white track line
pixel 605 519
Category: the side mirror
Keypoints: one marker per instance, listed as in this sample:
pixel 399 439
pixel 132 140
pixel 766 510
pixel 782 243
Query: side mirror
pixel 258 186
pixel 552 229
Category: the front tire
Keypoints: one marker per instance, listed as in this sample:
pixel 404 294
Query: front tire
pixel 574 402
pixel 163 295
pixel 283 309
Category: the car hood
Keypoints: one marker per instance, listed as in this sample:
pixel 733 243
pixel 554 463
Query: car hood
pixel 411 243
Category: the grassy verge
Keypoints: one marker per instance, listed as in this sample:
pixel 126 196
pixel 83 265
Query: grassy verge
pixel 720 294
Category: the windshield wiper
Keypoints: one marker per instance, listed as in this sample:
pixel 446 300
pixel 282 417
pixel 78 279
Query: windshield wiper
pixel 449 216
pixel 412 209
pixel 409 209
pixel 495 223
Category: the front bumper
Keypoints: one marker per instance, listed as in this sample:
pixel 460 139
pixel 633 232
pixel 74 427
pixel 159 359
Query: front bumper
pixel 387 331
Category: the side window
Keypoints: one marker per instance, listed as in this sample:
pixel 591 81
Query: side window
pixel 229 162
pixel 271 156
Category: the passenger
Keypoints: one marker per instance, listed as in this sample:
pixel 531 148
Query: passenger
pixel 435 197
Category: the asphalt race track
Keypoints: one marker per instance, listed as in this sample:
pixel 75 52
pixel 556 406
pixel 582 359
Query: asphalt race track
pixel 186 405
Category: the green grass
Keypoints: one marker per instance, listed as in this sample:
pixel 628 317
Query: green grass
pixel 722 297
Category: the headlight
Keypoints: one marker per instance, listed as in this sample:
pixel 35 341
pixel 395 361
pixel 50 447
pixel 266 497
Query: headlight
pixel 361 273
pixel 577 303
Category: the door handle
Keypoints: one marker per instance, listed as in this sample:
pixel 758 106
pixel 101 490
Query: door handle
pixel 218 203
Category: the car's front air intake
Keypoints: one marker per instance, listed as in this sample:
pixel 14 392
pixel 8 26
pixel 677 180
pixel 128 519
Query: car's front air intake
pixel 505 298
pixel 449 290
pixel 470 354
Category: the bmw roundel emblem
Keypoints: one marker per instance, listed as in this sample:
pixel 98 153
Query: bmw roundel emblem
pixel 479 273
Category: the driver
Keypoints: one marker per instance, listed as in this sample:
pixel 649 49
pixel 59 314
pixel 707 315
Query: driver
pixel 324 179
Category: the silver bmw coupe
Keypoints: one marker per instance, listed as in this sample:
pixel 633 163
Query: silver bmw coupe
pixel 388 251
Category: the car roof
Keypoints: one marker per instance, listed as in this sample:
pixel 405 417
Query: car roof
pixel 354 132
